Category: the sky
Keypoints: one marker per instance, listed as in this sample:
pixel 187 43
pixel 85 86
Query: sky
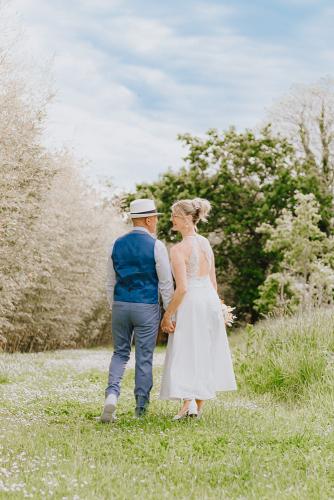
pixel 130 75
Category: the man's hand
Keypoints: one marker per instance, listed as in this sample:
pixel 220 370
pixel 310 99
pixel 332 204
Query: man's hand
pixel 167 324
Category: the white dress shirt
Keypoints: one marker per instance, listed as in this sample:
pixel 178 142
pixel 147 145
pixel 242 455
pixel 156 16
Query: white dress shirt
pixel 162 266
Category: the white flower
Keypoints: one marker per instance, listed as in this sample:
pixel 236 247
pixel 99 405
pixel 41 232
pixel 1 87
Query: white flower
pixel 229 317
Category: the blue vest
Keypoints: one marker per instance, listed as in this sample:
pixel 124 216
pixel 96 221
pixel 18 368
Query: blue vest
pixel 134 264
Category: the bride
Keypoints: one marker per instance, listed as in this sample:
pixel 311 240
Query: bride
pixel 198 360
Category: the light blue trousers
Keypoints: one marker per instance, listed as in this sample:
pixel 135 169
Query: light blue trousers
pixel 142 321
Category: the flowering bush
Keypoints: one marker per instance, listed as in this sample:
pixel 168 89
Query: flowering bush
pixel 305 276
pixel 55 231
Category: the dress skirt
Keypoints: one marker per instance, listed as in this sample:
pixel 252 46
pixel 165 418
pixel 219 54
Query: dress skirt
pixel 198 361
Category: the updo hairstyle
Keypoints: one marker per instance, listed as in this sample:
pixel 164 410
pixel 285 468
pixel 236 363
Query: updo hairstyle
pixel 198 208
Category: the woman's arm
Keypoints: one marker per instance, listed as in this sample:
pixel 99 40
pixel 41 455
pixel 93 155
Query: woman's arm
pixel 213 272
pixel 179 267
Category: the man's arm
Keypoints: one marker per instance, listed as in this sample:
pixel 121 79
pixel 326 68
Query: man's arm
pixel 162 265
pixel 111 278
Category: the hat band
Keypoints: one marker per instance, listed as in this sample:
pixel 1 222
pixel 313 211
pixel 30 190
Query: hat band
pixel 145 212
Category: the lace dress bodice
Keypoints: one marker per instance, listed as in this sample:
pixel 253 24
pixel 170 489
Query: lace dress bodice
pixel 200 259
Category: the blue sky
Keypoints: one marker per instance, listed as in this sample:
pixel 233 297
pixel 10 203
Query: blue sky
pixel 133 74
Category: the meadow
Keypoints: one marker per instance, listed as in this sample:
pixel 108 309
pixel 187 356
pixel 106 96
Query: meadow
pixel 273 438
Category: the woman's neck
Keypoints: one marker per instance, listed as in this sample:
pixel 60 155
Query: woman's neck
pixel 188 232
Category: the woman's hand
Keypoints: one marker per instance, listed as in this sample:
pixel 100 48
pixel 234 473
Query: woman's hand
pixel 180 273
pixel 167 325
pixel 229 317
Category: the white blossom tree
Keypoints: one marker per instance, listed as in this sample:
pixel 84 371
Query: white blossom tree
pixel 305 275
pixel 64 303
pixel 54 231
pixel 26 173
pixel 306 116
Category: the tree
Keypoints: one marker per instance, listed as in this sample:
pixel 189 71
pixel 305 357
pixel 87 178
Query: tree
pixel 306 117
pixel 63 301
pixel 26 171
pixel 249 179
pixel 305 276
pixel 54 231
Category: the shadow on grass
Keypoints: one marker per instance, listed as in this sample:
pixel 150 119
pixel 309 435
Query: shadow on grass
pixel 72 411
pixel 4 379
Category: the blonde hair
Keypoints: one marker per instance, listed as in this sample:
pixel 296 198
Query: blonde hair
pixel 198 208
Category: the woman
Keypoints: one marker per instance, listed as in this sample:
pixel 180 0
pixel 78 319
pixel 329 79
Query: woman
pixel 198 360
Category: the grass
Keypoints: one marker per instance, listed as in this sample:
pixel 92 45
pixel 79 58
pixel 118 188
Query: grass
pixel 4 379
pixel 290 357
pixel 271 439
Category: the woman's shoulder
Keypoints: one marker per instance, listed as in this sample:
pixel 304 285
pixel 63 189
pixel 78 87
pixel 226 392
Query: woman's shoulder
pixel 176 248
pixel 179 250
pixel 203 239
pixel 205 243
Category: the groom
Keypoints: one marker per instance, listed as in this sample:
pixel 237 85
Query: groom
pixel 138 269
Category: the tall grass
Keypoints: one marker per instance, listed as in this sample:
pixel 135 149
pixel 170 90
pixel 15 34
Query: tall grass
pixel 286 357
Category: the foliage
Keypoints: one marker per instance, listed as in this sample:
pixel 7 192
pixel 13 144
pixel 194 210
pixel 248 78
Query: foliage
pixel 305 277
pixel 64 294
pixel 54 233
pixel 289 358
pixel 306 116
pixel 26 174
pixel 249 179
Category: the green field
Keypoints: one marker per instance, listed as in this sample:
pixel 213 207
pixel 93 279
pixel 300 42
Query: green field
pixel 272 439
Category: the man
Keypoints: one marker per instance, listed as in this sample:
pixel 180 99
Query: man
pixel 138 269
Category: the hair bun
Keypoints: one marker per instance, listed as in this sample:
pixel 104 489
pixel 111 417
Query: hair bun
pixel 197 208
pixel 203 207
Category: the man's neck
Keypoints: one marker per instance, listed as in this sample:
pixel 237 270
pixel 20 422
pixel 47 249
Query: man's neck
pixel 142 228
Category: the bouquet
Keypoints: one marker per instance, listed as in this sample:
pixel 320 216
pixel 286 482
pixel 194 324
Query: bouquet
pixel 229 317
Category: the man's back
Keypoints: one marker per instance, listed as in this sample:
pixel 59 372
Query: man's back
pixel 134 263
pixel 138 269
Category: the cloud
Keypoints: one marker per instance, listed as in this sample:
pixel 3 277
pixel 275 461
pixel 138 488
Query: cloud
pixel 130 80
pixel 139 35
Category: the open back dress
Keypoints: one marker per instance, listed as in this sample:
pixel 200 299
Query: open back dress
pixel 198 360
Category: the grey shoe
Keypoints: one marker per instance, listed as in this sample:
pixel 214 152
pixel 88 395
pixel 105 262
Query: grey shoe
pixel 109 410
pixel 183 415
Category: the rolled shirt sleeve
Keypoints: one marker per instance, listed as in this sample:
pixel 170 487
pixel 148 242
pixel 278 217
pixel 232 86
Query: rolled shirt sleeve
pixel 164 272
pixel 111 278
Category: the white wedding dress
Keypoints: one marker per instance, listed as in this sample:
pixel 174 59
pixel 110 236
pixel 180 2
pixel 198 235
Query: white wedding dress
pixel 198 361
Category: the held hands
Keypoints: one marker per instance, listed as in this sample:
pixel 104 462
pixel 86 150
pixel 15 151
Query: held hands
pixel 167 325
